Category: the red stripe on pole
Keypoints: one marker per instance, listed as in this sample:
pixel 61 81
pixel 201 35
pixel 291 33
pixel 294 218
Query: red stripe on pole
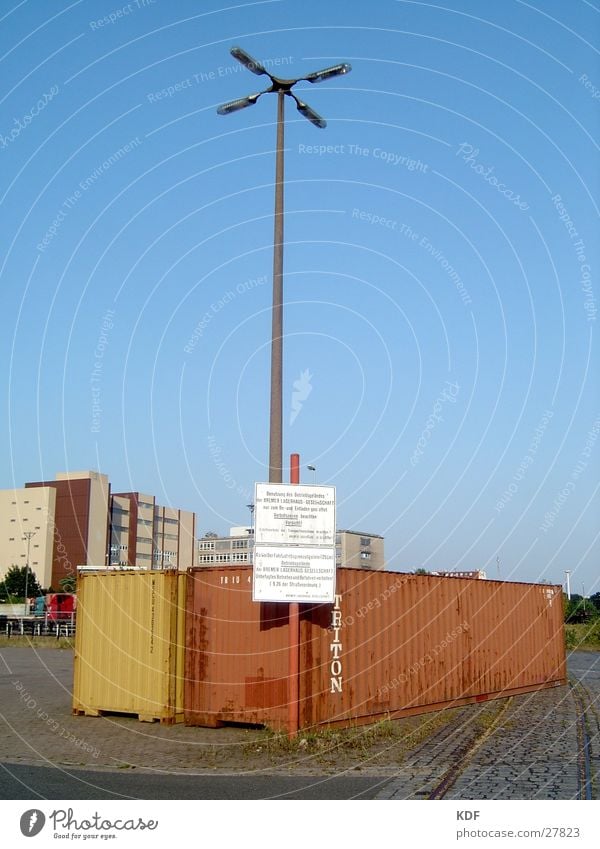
pixel 294 619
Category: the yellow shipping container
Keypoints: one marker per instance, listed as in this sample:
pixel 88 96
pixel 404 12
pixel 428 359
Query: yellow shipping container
pixel 129 645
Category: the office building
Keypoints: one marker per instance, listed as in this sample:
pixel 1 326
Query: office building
pixel 353 549
pixel 76 521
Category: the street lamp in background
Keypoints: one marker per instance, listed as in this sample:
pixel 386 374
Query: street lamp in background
pixel 313 469
pixel 251 509
pixel 568 574
pixel 27 535
pixel 283 89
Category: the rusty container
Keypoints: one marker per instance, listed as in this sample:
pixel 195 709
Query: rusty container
pixel 129 644
pixel 391 645
pixel 236 651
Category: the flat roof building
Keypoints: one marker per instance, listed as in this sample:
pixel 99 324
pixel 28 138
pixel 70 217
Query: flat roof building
pixel 78 522
pixel 353 549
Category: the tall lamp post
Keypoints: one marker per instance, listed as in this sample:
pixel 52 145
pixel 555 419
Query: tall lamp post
pixel 283 89
pixel 27 535
pixel 568 574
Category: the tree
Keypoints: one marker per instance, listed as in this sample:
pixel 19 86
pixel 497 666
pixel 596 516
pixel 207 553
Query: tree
pixel 67 585
pixel 421 571
pixel 14 583
pixel 595 600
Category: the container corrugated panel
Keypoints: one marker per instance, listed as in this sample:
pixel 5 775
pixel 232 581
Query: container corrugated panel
pixel 236 664
pixel 129 644
pixel 411 643
pixel 393 644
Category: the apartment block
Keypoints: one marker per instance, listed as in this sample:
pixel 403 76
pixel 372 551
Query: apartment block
pixel 24 510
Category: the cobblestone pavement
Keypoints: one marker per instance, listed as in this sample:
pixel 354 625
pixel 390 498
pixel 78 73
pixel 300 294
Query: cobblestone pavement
pixel 532 752
pixel 523 749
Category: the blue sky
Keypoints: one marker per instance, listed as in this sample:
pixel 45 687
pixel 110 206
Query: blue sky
pixel 440 265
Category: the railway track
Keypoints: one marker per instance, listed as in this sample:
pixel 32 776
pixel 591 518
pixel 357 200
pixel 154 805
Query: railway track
pixel 430 770
pixel 588 739
pixel 460 763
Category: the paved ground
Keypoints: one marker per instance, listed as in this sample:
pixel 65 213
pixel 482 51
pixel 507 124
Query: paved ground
pixel 527 748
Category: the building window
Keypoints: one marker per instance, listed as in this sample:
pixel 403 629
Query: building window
pixel 365 541
pixel 365 555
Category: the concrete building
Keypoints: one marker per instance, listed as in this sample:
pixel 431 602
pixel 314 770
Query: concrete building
pixel 27 510
pixel 358 550
pixel 77 522
pixel 354 549
pixel 477 574
pixel 146 535
pixel 215 551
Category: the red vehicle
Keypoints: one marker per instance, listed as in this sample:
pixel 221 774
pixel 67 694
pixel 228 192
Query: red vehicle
pixel 61 607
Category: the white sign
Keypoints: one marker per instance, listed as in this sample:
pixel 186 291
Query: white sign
pixel 294 514
pixel 293 573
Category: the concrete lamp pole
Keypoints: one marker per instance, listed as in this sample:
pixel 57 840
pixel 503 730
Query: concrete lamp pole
pixel 568 574
pixel 283 89
pixel 27 535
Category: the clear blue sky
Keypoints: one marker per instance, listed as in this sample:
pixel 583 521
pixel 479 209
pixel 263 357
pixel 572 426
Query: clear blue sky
pixel 441 265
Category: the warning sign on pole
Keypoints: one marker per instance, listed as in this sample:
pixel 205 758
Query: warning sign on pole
pixel 294 543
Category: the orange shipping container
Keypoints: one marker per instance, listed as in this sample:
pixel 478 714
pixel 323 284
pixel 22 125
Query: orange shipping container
pixel 391 645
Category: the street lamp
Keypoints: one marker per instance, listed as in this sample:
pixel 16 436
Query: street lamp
pixel 282 88
pixel 27 535
pixel 313 469
pixel 568 574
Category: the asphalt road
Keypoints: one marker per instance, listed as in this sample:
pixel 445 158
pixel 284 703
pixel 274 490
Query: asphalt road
pixel 19 781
